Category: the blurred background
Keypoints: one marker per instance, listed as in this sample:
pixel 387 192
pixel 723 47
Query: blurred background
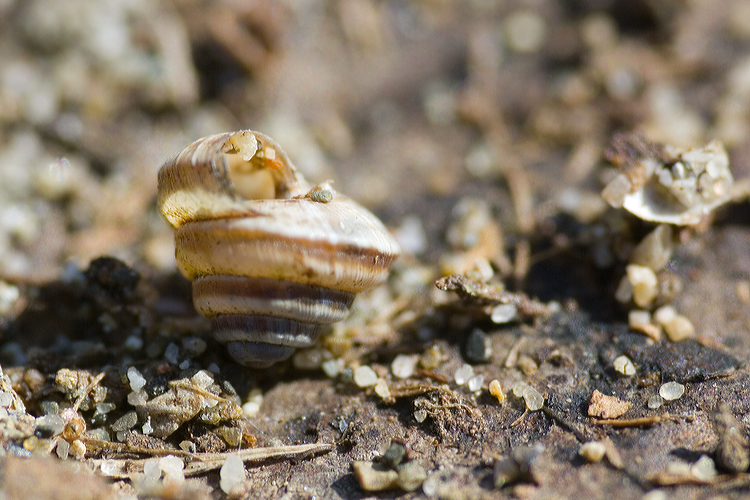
pixel 411 107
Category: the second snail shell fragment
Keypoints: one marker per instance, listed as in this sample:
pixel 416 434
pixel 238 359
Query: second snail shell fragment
pixel 272 259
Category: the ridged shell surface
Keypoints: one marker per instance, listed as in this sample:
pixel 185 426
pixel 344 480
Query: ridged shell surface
pixel 269 272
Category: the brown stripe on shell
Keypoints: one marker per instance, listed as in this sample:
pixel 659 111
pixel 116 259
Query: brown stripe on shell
pixel 208 248
pixel 220 294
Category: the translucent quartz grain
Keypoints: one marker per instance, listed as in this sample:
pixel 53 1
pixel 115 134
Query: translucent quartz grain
pixel 671 391
pixel 593 451
pixel 332 367
pixel 503 313
pixel 463 374
pixel 623 365
pixel 655 402
pixel 475 383
pixel 534 400
pixel 364 376
pixel 644 282
pixel 704 468
pixel 403 366
pixel 173 467
pixel 232 473
pixel 135 378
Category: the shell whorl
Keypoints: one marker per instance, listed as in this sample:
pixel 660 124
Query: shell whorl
pixel 270 265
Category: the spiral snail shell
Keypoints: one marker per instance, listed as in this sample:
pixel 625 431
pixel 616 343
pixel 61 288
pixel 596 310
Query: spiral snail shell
pixel 271 258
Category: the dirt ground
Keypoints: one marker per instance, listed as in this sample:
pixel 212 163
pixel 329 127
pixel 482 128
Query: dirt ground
pixel 478 132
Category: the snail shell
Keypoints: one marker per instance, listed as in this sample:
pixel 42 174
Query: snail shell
pixel 271 258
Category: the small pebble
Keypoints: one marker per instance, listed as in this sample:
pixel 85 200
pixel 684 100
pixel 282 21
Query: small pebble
pixel 519 388
pixel 679 328
pixel 171 353
pixel 477 346
pixel 202 379
pixel 411 475
pixel 135 378
pixel 534 400
pixel 655 401
pixel 151 470
pixel 232 473
pixel 623 365
pixel 63 449
pixel 624 291
pixel 125 422
pixel 310 359
pixel 420 416
pixel 432 358
pixel 250 409
pixel 146 428
pixel 105 408
pixel 638 317
pixel 173 468
pixel 503 313
pixel 475 383
pixel 655 250
pixel 137 398
pixel 381 389
pixel 403 366
pixel 664 314
pixel 704 469
pixel 100 434
pixel 108 467
pixel 50 407
pixel 644 283
pixel 733 451
pixel 430 485
pixel 671 391
pixel 463 374
pixel 655 495
pixel 364 376
pixel 394 455
pixel 332 367
pixel 373 477
pixel 78 449
pixel 53 423
pixel 231 435
pixel 497 390
pixel 194 346
pixel 593 451
pixel 527 365
pixel 133 343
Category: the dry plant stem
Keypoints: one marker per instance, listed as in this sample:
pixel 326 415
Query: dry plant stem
pixel 722 482
pixel 87 389
pixel 520 419
pixel 178 384
pixel 110 446
pixel 512 358
pixel 411 390
pixel 204 462
pixel 635 422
